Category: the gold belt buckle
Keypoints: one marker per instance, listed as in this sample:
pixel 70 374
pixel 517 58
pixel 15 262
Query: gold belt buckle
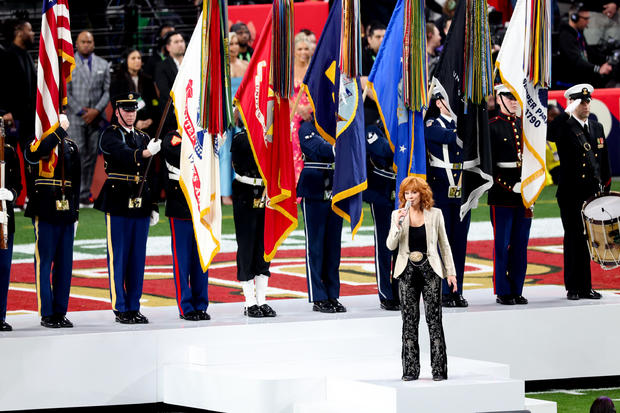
pixel 327 195
pixel 454 192
pixel 135 202
pixel 416 256
pixel 259 203
pixel 62 205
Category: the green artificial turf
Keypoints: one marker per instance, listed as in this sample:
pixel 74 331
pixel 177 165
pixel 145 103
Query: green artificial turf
pixel 577 401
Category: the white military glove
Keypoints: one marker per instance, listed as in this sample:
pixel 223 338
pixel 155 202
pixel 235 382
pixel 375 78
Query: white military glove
pixel 64 121
pixel 6 195
pixel 75 225
pixel 154 218
pixel 571 108
pixel 517 188
pixel 154 146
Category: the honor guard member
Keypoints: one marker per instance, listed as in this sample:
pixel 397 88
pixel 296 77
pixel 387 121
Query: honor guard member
pixel 380 195
pixel 190 281
pixel 128 200
pixel 248 194
pixel 445 164
pixel 510 219
pixel 9 192
pixel 53 205
pixel 584 173
pixel 322 226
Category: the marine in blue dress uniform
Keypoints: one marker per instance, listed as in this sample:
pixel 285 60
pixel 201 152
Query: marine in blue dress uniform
pixel 128 212
pixel 8 194
pixel 322 226
pixel 191 283
pixel 248 194
pixel 445 163
pixel 510 219
pixel 53 205
pixel 380 195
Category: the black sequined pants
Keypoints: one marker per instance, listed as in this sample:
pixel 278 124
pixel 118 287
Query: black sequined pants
pixel 413 282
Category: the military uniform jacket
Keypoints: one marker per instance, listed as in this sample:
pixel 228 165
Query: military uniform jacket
pixel 12 181
pixel 125 166
pixel 584 159
pixel 445 160
pixel 506 151
pixel 245 166
pixel 43 192
pixel 176 204
pixel 317 178
pixel 381 176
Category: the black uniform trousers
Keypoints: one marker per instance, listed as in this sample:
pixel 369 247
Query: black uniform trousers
pixel 381 216
pixel 577 275
pixel 457 231
pixel 5 273
pixel 416 281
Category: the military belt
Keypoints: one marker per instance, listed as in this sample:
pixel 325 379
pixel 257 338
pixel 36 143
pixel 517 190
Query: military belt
pixel 384 174
pixel 319 165
pixel 51 182
pixel 173 172
pixel 509 164
pixel 123 177
pixel 248 180
pixel 438 163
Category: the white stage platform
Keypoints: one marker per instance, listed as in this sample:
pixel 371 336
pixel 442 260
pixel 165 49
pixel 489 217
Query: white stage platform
pixel 303 361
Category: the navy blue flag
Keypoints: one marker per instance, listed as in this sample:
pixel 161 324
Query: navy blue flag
pixel 339 118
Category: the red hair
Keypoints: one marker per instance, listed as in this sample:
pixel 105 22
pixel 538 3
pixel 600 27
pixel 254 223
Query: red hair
pixel 415 184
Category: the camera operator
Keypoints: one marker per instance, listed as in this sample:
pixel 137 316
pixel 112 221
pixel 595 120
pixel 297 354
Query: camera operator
pixel 604 22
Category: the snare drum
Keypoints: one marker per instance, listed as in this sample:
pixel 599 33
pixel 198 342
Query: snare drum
pixel 601 216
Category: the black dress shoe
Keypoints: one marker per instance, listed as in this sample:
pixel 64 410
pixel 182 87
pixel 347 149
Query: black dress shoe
pixel 459 300
pixel 4 326
pixel 124 317
pixel 408 377
pixel 139 318
pixel 439 377
pixel 390 305
pixel 337 306
pixel 253 312
pixel 50 322
pixel 191 316
pixel 593 295
pixel 63 321
pixel 505 300
pixel 447 301
pixel 204 316
pixel 323 306
pixel 267 310
pixel 519 299
pixel 572 295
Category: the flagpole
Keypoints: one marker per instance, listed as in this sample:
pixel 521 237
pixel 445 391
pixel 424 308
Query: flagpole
pixel 302 90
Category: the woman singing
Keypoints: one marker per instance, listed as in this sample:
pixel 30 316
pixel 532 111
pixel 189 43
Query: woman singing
pixel 416 230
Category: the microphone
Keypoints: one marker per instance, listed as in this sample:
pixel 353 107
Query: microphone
pixel 407 206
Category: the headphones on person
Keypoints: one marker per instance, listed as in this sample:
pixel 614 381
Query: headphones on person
pixel 574 16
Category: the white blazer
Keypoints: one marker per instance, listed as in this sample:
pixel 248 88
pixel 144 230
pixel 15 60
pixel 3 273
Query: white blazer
pixel 435 235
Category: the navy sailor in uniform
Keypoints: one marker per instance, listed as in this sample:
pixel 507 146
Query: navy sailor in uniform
pixel 584 173
pixel 510 219
pixel 380 196
pixel 445 164
pixel 8 193
pixel 248 194
pixel 53 205
pixel 191 283
pixel 322 226
pixel 129 203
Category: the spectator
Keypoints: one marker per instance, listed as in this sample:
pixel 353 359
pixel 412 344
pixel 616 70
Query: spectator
pixel 311 39
pixel 129 77
pixel 167 71
pixel 603 405
pixel 244 37
pixel 18 99
pixel 433 41
pixel 376 32
pixel 303 112
pixel 88 94
pixel 159 53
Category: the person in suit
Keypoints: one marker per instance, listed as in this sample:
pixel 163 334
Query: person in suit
pixel 445 163
pixel 322 226
pixel 129 201
pixel 166 72
pixel 416 230
pixel 8 194
pixel 380 195
pixel 88 94
pixel 510 219
pixel 53 205
pixel 584 173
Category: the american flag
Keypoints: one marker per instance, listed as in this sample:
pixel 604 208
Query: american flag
pixel 56 63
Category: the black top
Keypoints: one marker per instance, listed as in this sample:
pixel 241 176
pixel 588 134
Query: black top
pixel 417 238
pixel 12 182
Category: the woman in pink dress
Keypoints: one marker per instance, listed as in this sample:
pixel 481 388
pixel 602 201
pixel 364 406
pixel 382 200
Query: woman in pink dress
pixel 304 109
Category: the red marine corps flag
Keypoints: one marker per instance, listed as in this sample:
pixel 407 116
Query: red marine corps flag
pixel 54 72
pixel 263 103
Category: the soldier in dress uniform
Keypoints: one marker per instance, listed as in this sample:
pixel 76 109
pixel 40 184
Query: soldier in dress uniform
pixel 129 202
pixel 53 205
pixel 511 220
pixel 445 163
pixel 322 226
pixel 380 195
pixel 190 281
pixel 248 194
pixel 584 173
pixel 8 194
